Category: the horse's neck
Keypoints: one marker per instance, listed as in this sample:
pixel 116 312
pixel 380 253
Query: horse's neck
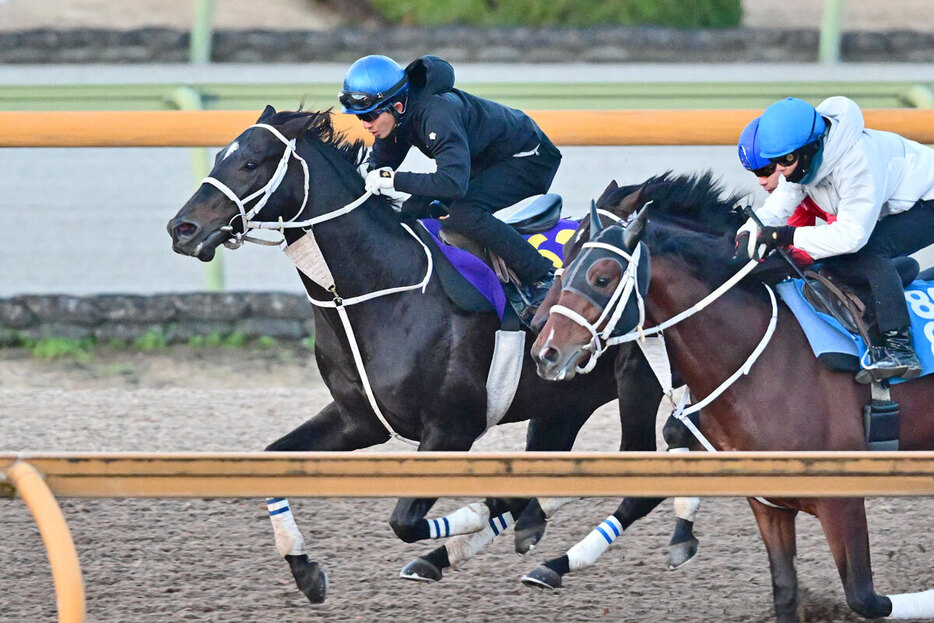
pixel 712 344
pixel 366 249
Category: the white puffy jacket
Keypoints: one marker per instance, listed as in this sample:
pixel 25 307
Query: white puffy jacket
pixel 864 176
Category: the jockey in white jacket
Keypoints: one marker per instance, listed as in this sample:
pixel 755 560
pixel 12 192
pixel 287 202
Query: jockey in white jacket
pixel 880 187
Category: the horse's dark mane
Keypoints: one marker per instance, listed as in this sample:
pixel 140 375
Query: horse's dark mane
pixel 322 130
pixel 694 218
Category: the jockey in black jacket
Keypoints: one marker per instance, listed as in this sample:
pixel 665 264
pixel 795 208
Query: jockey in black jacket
pixel 488 156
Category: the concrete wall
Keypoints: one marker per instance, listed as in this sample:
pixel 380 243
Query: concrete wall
pixel 461 44
pixel 177 317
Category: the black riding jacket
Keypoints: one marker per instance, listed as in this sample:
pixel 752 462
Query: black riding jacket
pixel 462 133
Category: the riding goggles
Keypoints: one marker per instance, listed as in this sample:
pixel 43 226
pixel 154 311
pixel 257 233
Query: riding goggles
pixel 355 101
pixel 373 114
pixel 786 161
pixel 765 171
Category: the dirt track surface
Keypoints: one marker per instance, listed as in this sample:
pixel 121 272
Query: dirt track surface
pixel 158 561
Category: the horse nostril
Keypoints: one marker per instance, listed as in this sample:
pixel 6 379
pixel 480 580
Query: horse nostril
pixel 185 230
pixel 550 355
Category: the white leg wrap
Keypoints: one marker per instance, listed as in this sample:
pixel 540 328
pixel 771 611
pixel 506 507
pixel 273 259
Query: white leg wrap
pixel 551 505
pixel 464 547
pixel 289 540
pixel 912 605
pixel 466 520
pixel 686 508
pixel 586 552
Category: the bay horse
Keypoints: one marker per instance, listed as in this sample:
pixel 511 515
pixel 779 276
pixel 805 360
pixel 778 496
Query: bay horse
pixel 787 400
pixel 406 361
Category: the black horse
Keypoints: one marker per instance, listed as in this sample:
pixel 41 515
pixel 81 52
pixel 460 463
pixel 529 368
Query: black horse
pixel 422 363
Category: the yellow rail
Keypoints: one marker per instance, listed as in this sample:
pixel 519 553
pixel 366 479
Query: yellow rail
pixel 411 474
pixel 517 474
pixel 565 127
pixel 66 571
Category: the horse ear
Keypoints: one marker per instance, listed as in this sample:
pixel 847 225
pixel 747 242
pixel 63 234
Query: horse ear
pixel 628 204
pixel 595 225
pixel 635 230
pixel 611 188
pixel 267 114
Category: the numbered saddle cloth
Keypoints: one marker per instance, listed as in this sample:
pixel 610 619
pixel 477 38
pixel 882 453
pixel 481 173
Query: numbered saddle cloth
pixel 841 350
pixel 472 276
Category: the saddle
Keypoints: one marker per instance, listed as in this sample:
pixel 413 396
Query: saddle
pixel 850 304
pixel 539 216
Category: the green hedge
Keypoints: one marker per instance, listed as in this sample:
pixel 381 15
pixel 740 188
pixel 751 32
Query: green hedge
pixel 674 13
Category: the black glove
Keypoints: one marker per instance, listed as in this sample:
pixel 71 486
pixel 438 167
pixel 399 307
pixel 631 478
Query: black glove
pixel 773 237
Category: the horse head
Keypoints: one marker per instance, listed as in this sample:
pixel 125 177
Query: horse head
pixel 259 177
pixel 601 293
pixel 616 203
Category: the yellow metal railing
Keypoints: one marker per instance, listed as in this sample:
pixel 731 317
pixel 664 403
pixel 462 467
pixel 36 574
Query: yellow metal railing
pixel 564 127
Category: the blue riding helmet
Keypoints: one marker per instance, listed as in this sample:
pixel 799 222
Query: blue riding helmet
pixel 371 83
pixel 788 125
pixel 749 148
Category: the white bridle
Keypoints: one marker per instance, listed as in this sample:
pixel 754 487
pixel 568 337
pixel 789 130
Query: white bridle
pixel 601 340
pixel 324 277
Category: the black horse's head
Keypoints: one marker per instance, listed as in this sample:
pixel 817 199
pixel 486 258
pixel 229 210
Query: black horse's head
pixel 259 177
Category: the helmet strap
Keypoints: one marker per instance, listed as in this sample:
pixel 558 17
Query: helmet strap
pixel 809 160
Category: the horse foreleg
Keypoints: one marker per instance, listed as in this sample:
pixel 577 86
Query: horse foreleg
pixel 777 527
pixel 324 431
pixel 462 548
pixel 550 436
pixel 408 517
pixel 586 552
pixel 844 523
pixel 683 545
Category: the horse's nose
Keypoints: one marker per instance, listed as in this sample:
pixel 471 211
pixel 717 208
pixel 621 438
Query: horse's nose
pixel 182 230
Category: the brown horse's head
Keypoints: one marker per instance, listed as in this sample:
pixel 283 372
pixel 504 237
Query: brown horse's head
pixel 593 288
pixel 565 345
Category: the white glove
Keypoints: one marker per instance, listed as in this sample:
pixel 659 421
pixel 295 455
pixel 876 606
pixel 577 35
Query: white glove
pixel 751 230
pixel 379 180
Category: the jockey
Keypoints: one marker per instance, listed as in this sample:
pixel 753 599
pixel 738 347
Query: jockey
pixel 488 156
pixel 767 176
pixel 880 187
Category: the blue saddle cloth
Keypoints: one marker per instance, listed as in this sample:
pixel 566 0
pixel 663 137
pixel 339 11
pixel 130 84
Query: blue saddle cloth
pixel 481 277
pixel 841 349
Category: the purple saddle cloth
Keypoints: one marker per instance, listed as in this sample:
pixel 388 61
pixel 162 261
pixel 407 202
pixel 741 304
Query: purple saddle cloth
pixel 550 244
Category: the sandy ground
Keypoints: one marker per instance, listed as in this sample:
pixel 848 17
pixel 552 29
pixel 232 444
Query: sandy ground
pixel 304 14
pixel 157 561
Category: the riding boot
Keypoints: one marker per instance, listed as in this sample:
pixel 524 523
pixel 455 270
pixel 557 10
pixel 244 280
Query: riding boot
pixel 895 357
pixel 531 296
pixel 898 346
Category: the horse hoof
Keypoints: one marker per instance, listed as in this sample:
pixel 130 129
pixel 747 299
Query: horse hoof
pixel 526 540
pixel 420 570
pixel 679 554
pixel 310 578
pixel 542 577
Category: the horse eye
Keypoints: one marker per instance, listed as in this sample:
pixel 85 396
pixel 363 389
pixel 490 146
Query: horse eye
pixel 601 282
pixel 250 165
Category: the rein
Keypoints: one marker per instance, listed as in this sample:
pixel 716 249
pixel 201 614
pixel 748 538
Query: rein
pixel 602 340
pixel 322 274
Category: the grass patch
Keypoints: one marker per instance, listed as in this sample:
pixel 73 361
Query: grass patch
pixel 151 340
pixel 62 348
